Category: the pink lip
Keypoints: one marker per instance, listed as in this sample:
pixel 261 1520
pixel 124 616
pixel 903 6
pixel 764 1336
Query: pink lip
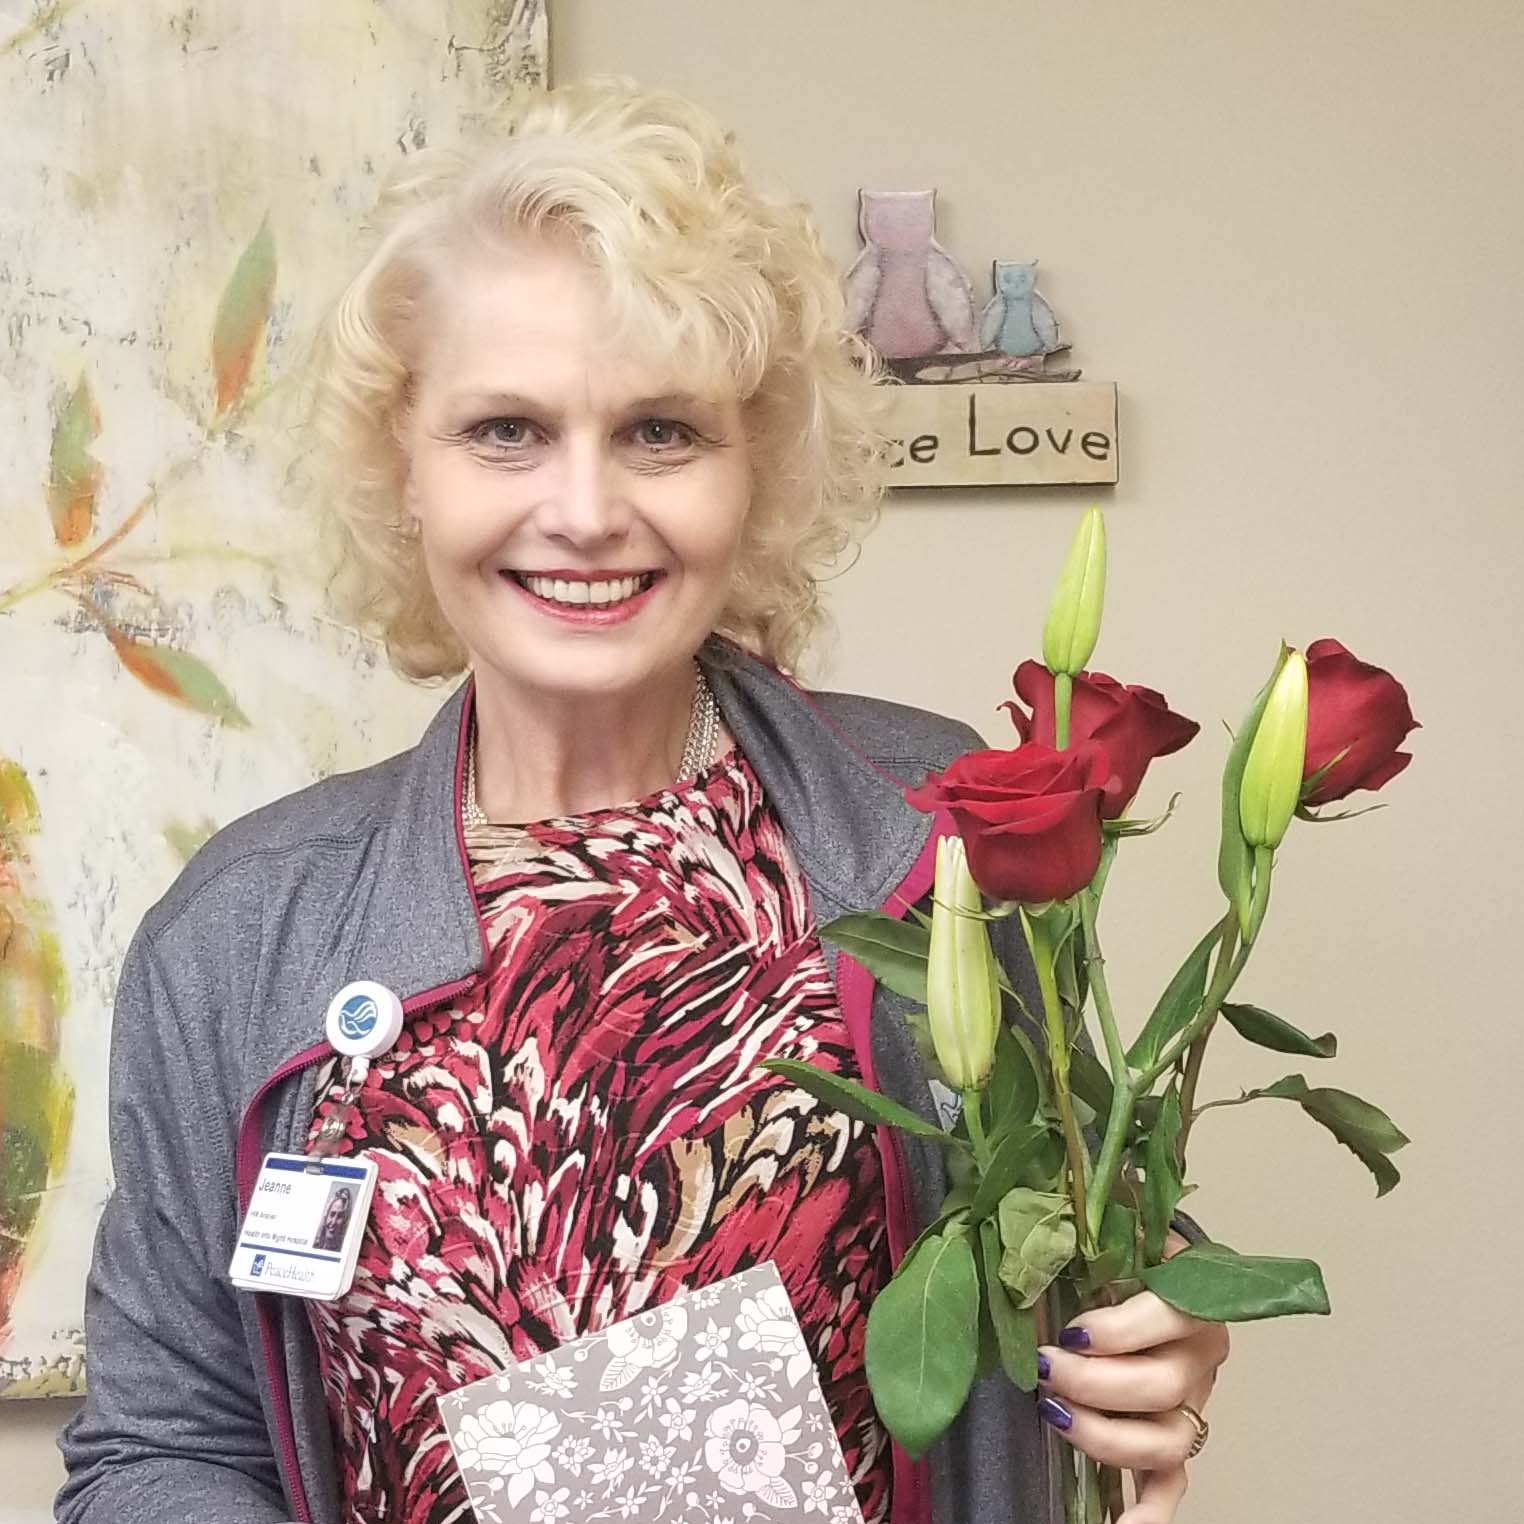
pixel 588 616
pixel 605 574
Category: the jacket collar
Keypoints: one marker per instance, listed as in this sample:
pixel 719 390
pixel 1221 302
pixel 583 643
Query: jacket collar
pixel 855 838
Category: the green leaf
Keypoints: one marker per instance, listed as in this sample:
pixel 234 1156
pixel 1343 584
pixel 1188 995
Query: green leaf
pixel 1117 1245
pixel 241 315
pixel 1015 1327
pixel 1005 1169
pixel 179 676
pixel 73 473
pixel 1013 1089
pixel 1365 1130
pixel 1234 857
pixel 1037 1230
pixel 923 1341
pixel 186 839
pixel 855 1100
pixel 1161 1183
pixel 894 952
pixel 1176 1005
pixel 1046 1167
pixel 1271 1032
pixel 1211 1281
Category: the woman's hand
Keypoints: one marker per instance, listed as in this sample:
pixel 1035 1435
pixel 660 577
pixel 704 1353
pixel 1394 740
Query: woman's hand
pixel 1144 1358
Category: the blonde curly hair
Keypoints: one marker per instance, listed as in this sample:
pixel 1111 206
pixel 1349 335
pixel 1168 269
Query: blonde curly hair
pixel 702 271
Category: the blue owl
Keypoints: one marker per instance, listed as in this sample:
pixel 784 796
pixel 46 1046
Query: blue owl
pixel 1017 321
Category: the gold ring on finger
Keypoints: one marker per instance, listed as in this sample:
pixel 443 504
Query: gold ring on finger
pixel 1202 1428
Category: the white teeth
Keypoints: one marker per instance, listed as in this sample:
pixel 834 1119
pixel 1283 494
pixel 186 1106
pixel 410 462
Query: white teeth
pixel 558 590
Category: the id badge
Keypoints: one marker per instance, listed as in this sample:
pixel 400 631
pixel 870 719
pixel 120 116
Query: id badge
pixel 301 1235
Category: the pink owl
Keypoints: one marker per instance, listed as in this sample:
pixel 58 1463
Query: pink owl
pixel 905 293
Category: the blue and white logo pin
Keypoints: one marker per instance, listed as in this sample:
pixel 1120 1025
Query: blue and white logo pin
pixel 364 1019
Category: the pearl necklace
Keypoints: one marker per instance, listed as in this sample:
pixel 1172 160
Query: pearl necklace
pixel 698 748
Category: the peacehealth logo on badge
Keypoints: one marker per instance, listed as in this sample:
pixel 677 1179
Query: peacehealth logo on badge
pixel 358 1017
pixel 364 1019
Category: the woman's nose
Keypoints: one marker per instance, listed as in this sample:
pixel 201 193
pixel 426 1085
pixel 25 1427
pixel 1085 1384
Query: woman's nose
pixel 587 504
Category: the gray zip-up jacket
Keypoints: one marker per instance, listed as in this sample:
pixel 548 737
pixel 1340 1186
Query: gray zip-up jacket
pixel 206 1403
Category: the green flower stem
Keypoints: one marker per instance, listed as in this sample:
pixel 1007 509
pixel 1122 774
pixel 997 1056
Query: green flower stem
pixel 1123 1096
pixel 1058 1061
pixel 1063 691
pixel 1191 1077
pixel 1230 964
pixel 973 1115
pixel 1113 1500
pixel 1264 865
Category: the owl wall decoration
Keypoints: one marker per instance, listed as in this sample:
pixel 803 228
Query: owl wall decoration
pixel 958 419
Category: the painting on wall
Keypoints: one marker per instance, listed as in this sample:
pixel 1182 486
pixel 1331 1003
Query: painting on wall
pixel 181 186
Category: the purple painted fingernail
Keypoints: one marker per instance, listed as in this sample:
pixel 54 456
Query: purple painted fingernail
pixel 1044 1367
pixel 1055 1413
pixel 1075 1338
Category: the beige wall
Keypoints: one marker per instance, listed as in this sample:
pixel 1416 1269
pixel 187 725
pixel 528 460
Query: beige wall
pixel 1292 232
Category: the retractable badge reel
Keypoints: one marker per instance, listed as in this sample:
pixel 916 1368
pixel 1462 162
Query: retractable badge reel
pixel 364 1021
pixel 301 1235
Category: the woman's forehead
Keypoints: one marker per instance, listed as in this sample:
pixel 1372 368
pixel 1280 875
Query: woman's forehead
pixel 540 322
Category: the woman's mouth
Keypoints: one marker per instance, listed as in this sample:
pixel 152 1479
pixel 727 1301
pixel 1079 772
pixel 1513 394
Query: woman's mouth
pixel 587 600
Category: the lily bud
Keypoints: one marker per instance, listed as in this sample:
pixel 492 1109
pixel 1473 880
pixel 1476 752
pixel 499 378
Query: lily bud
pixel 1074 616
pixel 962 995
pixel 1272 781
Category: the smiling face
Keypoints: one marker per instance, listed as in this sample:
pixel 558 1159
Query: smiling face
pixel 580 514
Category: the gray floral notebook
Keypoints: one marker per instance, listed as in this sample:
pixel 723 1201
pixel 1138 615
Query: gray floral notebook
pixel 703 1409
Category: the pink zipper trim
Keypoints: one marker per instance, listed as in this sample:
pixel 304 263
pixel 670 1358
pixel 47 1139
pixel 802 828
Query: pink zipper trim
pixel 855 985
pixel 246 1162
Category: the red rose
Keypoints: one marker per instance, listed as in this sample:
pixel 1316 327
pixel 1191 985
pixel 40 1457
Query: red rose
pixel 1352 704
pixel 1131 725
pixel 1030 818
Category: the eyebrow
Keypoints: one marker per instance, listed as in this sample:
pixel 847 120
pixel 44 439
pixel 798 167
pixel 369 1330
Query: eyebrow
pixel 517 402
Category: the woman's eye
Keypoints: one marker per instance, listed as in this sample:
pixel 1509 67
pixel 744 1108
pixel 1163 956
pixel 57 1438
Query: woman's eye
pixel 503 433
pixel 663 434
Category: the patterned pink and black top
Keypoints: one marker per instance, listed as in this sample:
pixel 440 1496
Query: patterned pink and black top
pixel 586 1132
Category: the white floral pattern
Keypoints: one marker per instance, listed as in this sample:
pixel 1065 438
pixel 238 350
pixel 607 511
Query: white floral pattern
pixel 743 1446
pixel 705 1437
pixel 510 1441
pixel 767 1323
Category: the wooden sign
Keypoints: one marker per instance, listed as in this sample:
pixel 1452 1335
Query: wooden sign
pixel 1004 434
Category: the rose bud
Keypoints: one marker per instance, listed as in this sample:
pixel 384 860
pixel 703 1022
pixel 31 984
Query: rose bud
pixel 1030 818
pixel 1272 781
pixel 1132 725
pixel 1074 616
pixel 1357 709
pixel 962 996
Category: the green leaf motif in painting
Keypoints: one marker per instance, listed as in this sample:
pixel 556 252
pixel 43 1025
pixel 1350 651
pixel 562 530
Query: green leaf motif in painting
pixel 73 473
pixel 241 316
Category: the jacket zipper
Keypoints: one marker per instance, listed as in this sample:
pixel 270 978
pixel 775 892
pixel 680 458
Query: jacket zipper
pixel 246 1171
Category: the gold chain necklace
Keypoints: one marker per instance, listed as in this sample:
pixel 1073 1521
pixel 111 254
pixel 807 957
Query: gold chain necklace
pixel 698 748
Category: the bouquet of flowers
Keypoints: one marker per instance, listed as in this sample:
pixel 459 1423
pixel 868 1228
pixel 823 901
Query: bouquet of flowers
pixel 1069 1158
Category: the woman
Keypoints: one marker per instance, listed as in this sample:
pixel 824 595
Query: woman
pixel 330 1235
pixel 595 429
